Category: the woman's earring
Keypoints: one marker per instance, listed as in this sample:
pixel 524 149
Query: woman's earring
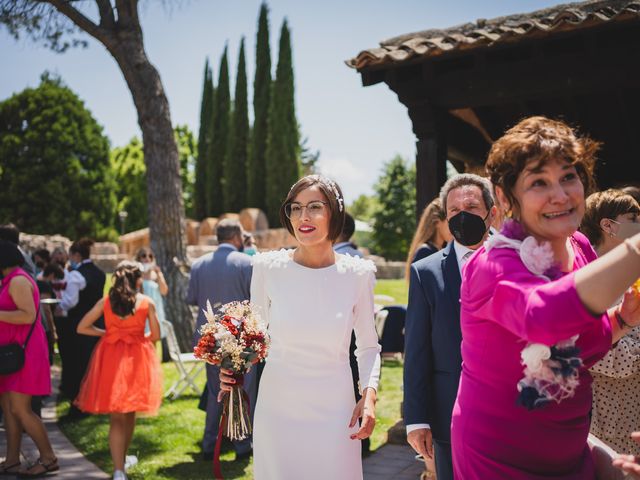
pixel 509 214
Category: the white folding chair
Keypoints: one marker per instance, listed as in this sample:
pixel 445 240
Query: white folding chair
pixel 189 367
pixel 380 318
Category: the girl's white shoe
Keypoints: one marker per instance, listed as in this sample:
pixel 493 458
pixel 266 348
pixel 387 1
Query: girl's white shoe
pixel 119 475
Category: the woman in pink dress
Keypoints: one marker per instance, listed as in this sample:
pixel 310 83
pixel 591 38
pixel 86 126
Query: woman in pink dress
pixel 534 316
pixel 19 300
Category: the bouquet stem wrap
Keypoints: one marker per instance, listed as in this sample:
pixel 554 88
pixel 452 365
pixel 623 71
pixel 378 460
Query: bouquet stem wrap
pixel 235 422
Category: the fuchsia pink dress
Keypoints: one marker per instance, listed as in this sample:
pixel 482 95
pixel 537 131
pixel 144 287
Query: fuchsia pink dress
pixel 34 378
pixel 503 308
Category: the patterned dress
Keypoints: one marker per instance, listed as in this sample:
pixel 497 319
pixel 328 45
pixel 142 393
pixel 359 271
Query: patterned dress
pixel 616 395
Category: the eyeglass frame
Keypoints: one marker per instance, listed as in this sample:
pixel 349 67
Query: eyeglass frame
pixel 288 207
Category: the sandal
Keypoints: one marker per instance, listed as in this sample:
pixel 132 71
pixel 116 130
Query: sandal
pixel 46 469
pixel 9 469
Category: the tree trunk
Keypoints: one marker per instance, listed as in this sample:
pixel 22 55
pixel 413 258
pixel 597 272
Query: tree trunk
pixel 164 189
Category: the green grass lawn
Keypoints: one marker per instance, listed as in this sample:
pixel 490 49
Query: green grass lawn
pixel 168 445
pixel 398 289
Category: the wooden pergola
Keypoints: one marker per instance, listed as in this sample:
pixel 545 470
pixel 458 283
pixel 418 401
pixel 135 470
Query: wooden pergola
pixel 465 85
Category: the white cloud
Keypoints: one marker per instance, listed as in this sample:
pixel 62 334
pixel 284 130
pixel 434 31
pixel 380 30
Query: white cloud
pixel 353 179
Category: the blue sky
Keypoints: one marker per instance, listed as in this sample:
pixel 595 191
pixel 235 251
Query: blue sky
pixel 356 129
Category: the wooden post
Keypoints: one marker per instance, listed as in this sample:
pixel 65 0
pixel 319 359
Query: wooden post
pixel 429 125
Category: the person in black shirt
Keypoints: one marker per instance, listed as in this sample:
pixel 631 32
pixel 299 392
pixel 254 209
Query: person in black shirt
pixel 85 286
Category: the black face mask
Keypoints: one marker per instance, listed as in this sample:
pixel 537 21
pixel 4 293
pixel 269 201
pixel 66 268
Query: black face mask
pixel 468 228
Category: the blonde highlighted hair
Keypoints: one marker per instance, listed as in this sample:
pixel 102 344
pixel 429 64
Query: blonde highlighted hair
pixel 426 231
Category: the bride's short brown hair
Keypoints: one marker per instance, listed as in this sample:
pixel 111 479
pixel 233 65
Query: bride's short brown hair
pixel 332 192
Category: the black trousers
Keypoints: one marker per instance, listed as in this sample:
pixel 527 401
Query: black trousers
pixel 444 462
pixel 75 353
pixel 63 330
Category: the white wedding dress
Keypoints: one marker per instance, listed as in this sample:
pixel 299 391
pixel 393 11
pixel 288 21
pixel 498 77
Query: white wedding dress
pixel 305 398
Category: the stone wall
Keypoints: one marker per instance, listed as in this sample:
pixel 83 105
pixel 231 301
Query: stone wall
pixel 30 242
pixel 388 270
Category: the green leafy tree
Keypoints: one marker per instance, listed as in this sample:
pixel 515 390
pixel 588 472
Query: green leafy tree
pixel 256 168
pixel 235 170
pixel 129 169
pixel 127 164
pixel 395 220
pixel 116 25
pixel 55 175
pixel 364 207
pixel 283 148
pixel 206 112
pixel 219 146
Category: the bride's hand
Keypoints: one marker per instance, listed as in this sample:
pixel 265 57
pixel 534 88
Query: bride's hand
pixel 366 410
pixel 226 382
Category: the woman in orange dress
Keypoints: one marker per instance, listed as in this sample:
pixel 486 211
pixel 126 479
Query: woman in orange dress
pixel 124 376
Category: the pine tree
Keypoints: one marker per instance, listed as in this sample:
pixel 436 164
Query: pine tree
pixel 219 146
pixel 256 168
pixel 235 169
pixel 206 109
pixel 283 149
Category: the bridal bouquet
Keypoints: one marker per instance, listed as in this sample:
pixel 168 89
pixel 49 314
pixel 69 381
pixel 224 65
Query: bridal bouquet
pixel 235 338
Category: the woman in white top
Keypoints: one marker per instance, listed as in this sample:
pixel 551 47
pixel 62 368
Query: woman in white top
pixel 306 418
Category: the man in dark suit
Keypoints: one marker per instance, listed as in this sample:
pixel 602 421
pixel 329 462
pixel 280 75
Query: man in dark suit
pixel 433 361
pixel 221 277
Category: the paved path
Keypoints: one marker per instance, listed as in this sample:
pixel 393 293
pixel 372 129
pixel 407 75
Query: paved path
pixel 392 462
pixel 72 464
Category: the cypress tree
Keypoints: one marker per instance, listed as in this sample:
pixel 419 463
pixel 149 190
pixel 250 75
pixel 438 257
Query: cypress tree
pixel 283 163
pixel 206 108
pixel 256 169
pixel 219 146
pixel 236 167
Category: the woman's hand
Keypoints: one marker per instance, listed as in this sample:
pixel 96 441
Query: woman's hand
pixel 366 410
pixel 227 382
pixel 630 308
pixel 629 463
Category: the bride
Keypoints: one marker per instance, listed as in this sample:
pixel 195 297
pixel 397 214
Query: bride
pixel 306 418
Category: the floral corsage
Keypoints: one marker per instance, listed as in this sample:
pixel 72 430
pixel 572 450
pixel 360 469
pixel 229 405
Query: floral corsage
pixel 551 372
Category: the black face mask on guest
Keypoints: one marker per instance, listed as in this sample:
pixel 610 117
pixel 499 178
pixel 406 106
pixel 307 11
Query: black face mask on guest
pixel 468 228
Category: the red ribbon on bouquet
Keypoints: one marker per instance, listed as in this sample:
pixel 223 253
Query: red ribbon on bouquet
pixel 217 469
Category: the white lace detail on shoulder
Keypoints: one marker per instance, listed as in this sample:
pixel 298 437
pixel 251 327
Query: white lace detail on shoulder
pixel 272 259
pixel 355 264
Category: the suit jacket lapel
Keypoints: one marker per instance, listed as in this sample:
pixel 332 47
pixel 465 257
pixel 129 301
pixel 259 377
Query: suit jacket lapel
pixel 451 275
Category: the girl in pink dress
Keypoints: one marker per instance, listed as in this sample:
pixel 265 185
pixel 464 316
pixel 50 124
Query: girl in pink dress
pixel 534 316
pixel 19 300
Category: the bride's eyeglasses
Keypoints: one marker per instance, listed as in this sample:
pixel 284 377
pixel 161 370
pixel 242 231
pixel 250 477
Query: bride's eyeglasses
pixel 294 210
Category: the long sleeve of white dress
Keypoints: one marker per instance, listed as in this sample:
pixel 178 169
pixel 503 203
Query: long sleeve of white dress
pixel 259 297
pixel 367 346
